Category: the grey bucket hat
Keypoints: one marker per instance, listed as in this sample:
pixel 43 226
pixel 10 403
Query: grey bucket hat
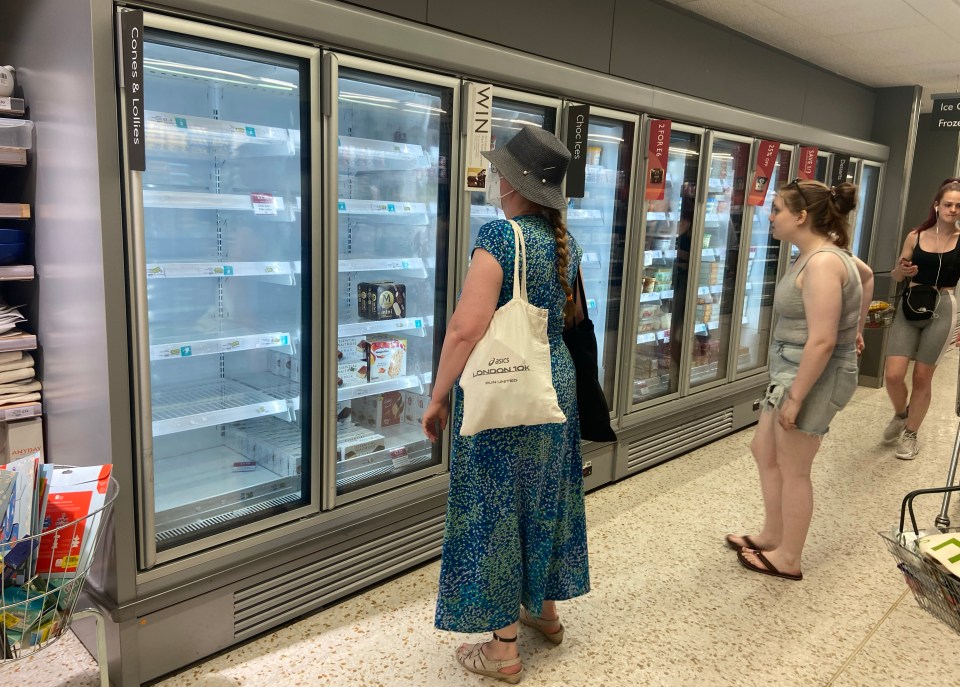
pixel 534 162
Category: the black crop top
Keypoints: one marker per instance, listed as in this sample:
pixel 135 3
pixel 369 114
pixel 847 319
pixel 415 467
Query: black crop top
pixel 928 264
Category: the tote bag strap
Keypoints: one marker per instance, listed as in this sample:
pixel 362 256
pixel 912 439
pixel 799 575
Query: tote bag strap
pixel 519 263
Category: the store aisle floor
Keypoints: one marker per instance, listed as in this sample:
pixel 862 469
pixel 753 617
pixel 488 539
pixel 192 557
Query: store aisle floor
pixel 670 605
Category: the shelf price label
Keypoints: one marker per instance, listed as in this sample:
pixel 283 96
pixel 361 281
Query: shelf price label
pixel 263 203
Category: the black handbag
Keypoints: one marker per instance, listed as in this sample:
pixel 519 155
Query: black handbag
pixel 919 302
pixel 581 341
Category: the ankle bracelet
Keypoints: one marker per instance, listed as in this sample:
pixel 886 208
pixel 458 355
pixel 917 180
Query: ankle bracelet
pixel 504 639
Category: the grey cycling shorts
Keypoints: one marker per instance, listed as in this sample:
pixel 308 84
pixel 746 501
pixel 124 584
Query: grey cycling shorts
pixel 925 341
pixel 830 393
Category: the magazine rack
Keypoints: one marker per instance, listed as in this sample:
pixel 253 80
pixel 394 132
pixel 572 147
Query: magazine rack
pixel 37 608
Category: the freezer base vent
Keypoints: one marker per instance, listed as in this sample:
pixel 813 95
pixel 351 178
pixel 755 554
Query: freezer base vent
pixel 216 522
pixel 298 591
pixel 647 451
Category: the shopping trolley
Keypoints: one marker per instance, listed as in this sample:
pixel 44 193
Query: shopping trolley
pixel 936 590
pixel 39 586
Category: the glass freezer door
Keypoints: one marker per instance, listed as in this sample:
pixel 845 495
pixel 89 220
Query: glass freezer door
pixel 761 277
pixel 867 189
pixel 394 136
pixel 714 313
pixel 666 267
pixel 598 222
pixel 510 112
pixel 221 262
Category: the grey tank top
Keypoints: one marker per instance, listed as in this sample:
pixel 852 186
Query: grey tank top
pixel 791 324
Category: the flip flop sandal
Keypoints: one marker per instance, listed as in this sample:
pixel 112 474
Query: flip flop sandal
pixel 746 539
pixel 473 659
pixel 768 569
pixel 539 623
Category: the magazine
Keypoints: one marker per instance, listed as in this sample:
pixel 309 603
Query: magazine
pixel 25 496
pixel 68 534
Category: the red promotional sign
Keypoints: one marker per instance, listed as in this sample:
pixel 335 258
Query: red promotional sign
pixel 763 170
pixel 658 147
pixel 808 162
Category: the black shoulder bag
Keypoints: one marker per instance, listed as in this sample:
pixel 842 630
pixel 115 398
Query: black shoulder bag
pixel 581 341
pixel 919 301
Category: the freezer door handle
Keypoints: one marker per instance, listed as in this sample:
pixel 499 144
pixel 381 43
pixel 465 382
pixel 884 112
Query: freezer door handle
pixel 328 83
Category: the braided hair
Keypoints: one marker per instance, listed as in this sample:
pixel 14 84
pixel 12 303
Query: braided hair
pixel 563 262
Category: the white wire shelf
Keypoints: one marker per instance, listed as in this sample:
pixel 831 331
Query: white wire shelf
pixel 382 326
pixel 371 155
pixel 185 270
pixel 386 265
pixel 346 393
pixel 211 403
pixel 258 204
pixel 185 136
pixel 170 343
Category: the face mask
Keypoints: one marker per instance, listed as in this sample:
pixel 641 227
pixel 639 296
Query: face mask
pixel 493 189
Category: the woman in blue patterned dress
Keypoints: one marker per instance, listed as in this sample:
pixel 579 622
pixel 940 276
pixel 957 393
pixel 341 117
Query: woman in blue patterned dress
pixel 515 539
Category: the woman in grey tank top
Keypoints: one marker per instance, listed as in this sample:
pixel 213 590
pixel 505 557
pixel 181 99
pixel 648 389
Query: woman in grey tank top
pixel 821 304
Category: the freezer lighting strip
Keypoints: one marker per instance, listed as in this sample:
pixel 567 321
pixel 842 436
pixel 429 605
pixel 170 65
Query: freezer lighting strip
pixel 209 72
pixel 361 328
pixel 188 349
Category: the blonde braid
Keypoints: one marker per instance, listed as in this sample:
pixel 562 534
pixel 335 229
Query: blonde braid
pixel 563 263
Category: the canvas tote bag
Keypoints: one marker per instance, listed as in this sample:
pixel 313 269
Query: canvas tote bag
pixel 507 380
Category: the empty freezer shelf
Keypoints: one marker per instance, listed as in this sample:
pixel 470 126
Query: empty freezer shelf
pixel 193 487
pixel 184 136
pixel 184 342
pixel 213 403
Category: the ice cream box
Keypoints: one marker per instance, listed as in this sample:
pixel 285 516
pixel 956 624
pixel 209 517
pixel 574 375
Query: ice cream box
pixel 351 348
pixel 359 446
pixel 377 412
pixel 352 373
pixel 386 357
pixel 414 406
pixel 381 300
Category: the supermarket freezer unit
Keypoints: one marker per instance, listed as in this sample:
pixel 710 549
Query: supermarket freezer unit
pixel 247 503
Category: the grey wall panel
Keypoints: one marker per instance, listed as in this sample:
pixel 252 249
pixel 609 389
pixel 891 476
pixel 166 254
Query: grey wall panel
pixel 567 30
pixel 835 104
pixel 764 80
pixel 656 45
pixel 894 124
pixel 81 322
pixel 935 158
pixel 408 9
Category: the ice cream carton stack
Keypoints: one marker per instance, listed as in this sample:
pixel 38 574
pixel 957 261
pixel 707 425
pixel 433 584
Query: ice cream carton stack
pixel 270 442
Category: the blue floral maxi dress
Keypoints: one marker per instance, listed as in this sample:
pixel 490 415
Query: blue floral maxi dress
pixel 516 527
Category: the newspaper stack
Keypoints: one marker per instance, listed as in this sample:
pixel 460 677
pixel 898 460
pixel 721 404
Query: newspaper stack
pixel 17 383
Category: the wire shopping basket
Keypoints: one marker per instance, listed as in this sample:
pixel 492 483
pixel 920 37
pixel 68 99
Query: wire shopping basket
pixel 43 573
pixel 935 589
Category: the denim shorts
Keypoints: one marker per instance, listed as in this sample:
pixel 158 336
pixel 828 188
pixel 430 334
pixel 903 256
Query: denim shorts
pixel 829 394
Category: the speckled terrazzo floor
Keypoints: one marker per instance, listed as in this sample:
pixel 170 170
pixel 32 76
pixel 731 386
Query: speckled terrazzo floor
pixel 670 605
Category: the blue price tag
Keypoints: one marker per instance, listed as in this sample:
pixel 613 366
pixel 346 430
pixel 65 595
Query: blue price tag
pixel 418 324
pixel 285 340
pixel 391 207
pixel 341 206
pixel 228 270
pixel 250 131
pixel 181 122
pixel 186 351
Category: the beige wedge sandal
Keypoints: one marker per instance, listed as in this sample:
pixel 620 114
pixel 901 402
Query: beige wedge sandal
pixel 539 623
pixel 473 659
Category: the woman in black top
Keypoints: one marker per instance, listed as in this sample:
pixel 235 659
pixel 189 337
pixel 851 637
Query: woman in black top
pixel 930 256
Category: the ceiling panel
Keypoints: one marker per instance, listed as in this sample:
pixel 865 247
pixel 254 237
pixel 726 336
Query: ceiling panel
pixel 878 43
